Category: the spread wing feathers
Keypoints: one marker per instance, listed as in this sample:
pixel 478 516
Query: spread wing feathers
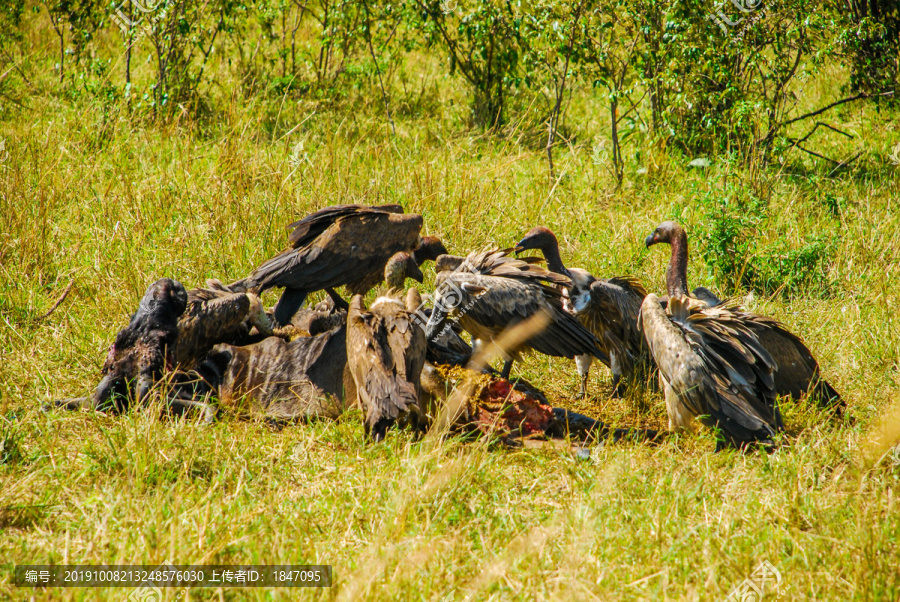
pixel 353 248
pixel 617 302
pixel 304 230
pixel 509 300
pixel 223 317
pixel 497 262
pixel 386 352
pixel 798 371
pixel 715 366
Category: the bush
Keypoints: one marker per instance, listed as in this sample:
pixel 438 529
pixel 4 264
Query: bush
pixel 728 240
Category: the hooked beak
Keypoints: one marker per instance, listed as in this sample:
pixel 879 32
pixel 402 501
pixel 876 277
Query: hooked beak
pixel 435 324
pixel 651 240
pixel 417 275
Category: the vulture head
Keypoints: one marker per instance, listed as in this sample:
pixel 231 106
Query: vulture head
pixel 665 232
pixel 676 272
pixel 448 263
pixel 139 355
pixel 579 295
pixel 400 267
pixel 429 249
pixel 450 301
pixel 539 237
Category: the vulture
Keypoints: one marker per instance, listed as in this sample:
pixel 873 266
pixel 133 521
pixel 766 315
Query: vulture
pixel 607 307
pixel 491 291
pixel 344 245
pixel 216 315
pixel 386 352
pixel 712 367
pixel 797 371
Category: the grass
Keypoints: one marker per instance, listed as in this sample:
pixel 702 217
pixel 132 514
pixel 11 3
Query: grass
pixel 89 196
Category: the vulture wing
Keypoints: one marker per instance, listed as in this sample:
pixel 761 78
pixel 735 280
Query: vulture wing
pixel 352 249
pixel 797 370
pixel 384 348
pixel 215 315
pixel 508 300
pixel 712 364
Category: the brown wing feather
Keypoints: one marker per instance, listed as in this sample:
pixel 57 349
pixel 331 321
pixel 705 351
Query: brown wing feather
pixel 351 251
pixel 713 365
pixel 386 352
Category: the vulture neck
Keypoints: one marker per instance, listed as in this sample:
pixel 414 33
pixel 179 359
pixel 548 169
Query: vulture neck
pixel 676 273
pixel 554 261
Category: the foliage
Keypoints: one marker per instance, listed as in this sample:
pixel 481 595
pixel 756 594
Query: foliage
pixel 482 40
pixel 729 242
pixel 870 44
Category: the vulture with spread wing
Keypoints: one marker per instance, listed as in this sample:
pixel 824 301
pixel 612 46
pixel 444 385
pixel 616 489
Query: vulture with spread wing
pixel 797 371
pixel 607 307
pixel 491 291
pixel 713 367
pixel 345 245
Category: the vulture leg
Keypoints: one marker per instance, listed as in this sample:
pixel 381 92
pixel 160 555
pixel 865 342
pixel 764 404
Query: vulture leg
pixel 291 300
pixel 339 302
pixel 507 367
pixel 583 363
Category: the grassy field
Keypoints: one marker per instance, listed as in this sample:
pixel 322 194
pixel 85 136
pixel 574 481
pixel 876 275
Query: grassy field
pixel 92 197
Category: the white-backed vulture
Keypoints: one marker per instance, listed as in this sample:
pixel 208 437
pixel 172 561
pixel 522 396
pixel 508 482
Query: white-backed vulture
pixel 797 371
pixel 607 307
pixel 346 245
pixel 386 352
pixel 713 367
pixel 490 292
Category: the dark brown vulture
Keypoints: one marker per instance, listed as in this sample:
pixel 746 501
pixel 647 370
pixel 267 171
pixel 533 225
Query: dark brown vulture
pixel 491 291
pixel 797 371
pixel 386 352
pixel 346 245
pixel 429 249
pixel 712 366
pixel 606 307
pixel 216 315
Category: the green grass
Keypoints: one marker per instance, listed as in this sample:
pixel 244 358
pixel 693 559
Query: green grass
pixel 109 203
